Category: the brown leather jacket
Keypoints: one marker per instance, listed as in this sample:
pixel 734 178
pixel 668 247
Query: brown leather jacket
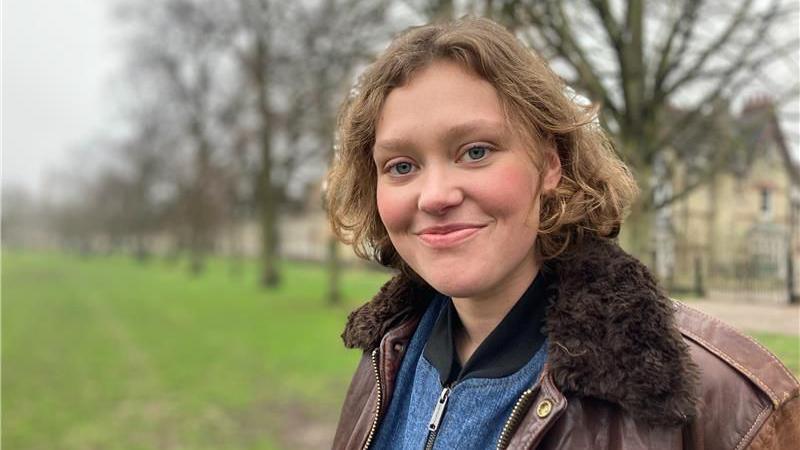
pixel 627 368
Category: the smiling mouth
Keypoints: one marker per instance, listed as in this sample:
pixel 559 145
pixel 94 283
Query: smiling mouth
pixel 451 239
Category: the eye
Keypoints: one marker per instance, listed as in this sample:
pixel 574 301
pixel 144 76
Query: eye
pixel 477 152
pixel 401 168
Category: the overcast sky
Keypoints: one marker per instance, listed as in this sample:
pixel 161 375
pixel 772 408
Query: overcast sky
pixel 57 61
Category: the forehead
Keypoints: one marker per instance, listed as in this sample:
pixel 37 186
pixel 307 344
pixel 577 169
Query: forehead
pixel 442 97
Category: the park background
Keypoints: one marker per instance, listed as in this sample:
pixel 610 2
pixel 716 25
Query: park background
pixel 169 280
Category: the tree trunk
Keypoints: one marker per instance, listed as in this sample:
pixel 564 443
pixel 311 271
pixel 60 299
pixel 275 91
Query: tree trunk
pixel 269 219
pixel 791 288
pixel 269 210
pixel 699 284
pixel 334 272
pixel 636 235
pixel 637 232
pixel 196 254
pixel 269 274
pixel 142 254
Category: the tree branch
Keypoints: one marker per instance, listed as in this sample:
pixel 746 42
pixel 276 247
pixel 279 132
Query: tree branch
pixel 684 25
pixel 741 65
pixel 724 37
pixel 567 47
pixel 610 24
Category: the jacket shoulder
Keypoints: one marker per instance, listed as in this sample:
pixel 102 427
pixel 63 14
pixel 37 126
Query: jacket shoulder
pixel 741 353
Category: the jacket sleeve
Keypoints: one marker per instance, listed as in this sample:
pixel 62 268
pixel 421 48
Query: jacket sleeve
pixel 781 430
pixel 355 403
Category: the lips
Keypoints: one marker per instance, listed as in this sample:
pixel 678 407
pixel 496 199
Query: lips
pixel 448 235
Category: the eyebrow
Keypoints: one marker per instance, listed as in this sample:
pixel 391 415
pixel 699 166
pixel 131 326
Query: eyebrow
pixel 449 135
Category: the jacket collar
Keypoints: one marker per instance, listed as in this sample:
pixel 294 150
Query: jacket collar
pixel 611 332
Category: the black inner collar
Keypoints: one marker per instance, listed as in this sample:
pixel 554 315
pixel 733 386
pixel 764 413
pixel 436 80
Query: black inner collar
pixel 505 350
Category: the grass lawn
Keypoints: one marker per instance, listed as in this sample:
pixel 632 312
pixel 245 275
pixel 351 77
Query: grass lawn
pixel 787 348
pixel 107 353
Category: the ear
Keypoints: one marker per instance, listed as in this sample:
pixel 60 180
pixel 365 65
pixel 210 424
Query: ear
pixel 552 171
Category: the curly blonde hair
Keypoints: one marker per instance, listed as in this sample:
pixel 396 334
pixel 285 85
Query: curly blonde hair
pixel 595 190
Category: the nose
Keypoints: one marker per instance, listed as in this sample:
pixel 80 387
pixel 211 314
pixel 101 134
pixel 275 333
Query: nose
pixel 439 193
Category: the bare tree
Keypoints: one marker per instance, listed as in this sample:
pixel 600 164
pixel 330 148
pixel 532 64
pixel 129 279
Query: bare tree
pixel 338 36
pixel 251 28
pixel 661 71
pixel 178 57
pixel 295 62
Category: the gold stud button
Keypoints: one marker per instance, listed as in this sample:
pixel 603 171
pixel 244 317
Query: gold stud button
pixel 543 408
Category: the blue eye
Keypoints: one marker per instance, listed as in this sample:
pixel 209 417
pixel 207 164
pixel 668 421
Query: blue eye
pixel 401 168
pixel 477 152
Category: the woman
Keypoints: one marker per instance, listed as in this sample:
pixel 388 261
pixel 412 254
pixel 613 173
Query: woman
pixel 515 320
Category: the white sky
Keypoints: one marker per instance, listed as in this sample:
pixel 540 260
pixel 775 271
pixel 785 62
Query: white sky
pixel 57 58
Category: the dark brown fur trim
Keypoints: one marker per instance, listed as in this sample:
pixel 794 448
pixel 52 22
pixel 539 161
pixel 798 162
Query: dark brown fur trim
pixel 398 299
pixel 611 333
pixel 612 336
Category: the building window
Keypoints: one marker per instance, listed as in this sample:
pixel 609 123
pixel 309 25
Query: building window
pixel 766 202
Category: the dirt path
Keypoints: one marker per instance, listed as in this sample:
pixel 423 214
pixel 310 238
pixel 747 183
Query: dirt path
pixel 748 317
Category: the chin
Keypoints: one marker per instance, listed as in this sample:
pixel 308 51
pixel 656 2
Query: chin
pixel 457 285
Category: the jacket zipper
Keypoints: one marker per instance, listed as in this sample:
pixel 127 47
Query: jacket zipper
pixel 522 405
pixel 436 418
pixel 378 403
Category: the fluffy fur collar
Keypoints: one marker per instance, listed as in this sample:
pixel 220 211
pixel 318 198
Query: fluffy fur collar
pixel 610 328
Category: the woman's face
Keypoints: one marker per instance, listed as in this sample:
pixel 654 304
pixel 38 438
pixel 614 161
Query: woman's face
pixel 446 158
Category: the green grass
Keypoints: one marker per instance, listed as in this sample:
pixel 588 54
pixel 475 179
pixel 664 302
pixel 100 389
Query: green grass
pixel 787 348
pixel 108 353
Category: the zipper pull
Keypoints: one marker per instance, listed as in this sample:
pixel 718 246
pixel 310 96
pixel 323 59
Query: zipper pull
pixel 438 411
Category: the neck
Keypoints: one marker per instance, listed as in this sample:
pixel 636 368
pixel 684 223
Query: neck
pixel 480 315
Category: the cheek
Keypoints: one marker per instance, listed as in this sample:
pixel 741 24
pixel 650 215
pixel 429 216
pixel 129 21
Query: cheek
pixel 511 192
pixel 396 210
